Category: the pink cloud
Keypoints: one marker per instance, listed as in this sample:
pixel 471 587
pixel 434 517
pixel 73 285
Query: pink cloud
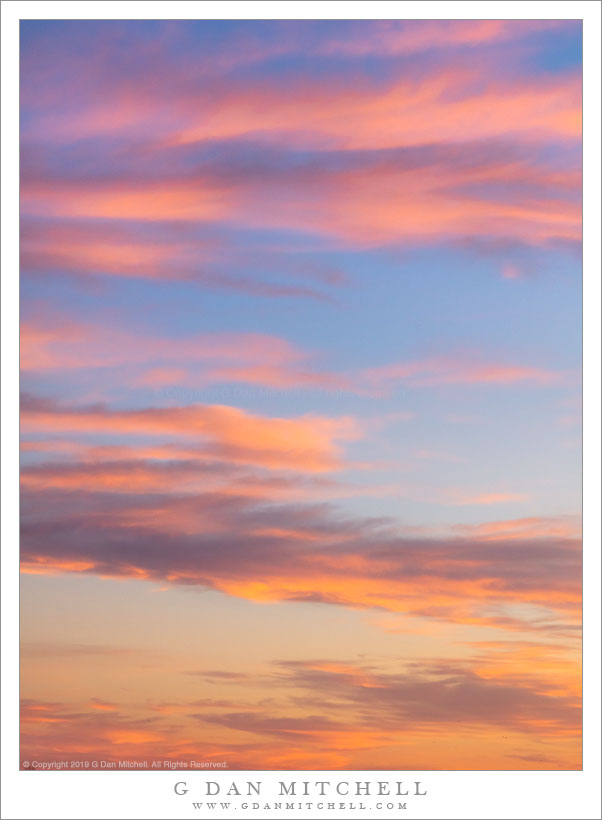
pixel 510 271
pixel 304 443
pixel 250 358
pixel 405 112
pixel 447 370
pixel 282 557
pixel 373 203
pixel 567 526
pixel 195 360
pixel 409 109
pixel 395 37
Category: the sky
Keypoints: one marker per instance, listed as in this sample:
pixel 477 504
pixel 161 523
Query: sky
pixel 301 408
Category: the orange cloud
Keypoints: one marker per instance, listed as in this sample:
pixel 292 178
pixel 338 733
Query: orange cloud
pixel 457 589
pixel 351 711
pixel 557 667
pixel 128 737
pixel 298 552
pixel 102 705
pixel 304 443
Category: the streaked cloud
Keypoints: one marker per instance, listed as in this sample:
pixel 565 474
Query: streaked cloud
pixel 300 327
pixel 305 443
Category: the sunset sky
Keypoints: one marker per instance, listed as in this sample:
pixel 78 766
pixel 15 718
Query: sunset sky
pixel 301 420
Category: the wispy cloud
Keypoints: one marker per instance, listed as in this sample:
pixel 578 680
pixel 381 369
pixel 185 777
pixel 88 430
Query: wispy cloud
pixel 268 552
pixel 305 443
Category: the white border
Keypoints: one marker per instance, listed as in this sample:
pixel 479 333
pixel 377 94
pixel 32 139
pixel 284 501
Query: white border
pixel 545 795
